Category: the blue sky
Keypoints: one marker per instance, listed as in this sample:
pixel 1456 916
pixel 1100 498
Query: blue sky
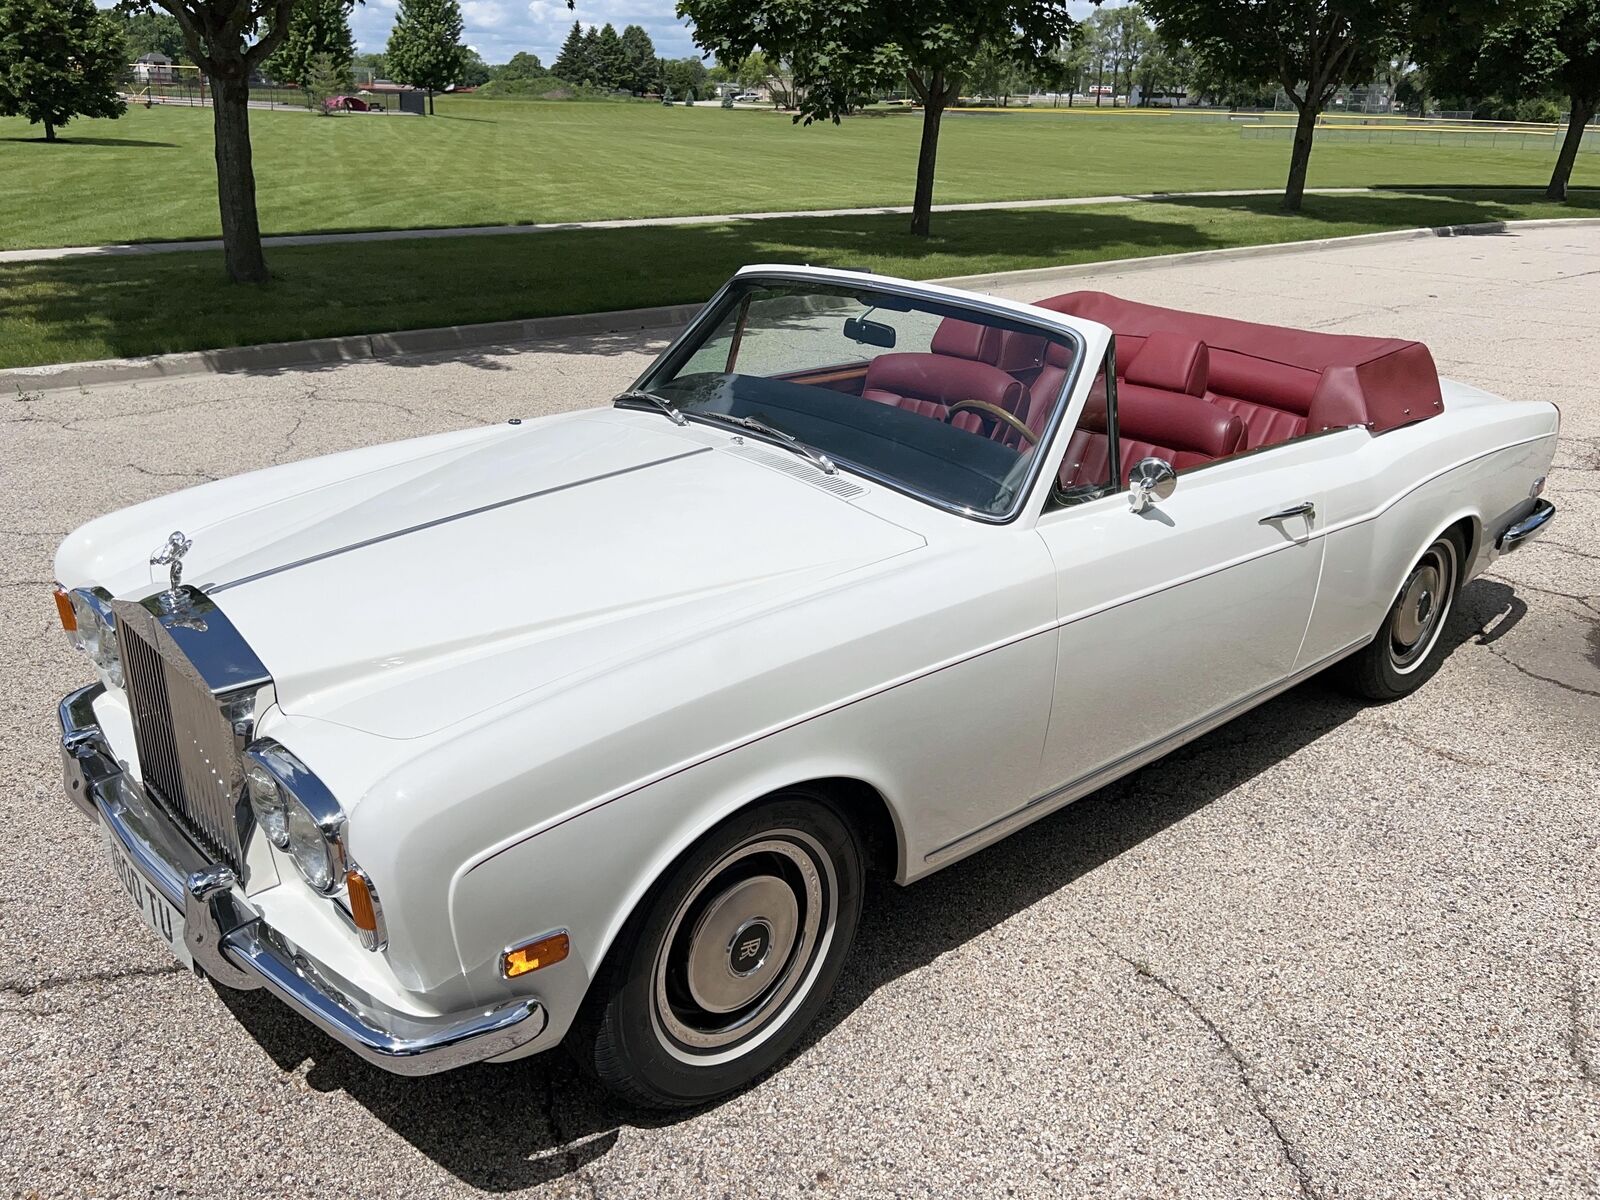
pixel 497 29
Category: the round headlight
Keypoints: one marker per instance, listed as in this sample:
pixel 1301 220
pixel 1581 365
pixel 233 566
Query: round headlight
pixel 312 852
pixel 266 802
pixel 97 632
pixel 89 624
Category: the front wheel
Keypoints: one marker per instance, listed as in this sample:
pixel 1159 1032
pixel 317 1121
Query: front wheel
pixel 1407 650
pixel 729 958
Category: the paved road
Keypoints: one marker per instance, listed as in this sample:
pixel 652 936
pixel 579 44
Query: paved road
pixel 401 235
pixel 1326 951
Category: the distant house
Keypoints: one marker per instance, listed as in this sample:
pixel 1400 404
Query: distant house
pixel 154 67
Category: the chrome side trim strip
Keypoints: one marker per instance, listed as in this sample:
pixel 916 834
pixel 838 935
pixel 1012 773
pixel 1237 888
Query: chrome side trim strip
pixel 213 589
pixel 1102 775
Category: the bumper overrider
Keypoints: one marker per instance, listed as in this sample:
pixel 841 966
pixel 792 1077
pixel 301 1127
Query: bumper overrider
pixel 230 942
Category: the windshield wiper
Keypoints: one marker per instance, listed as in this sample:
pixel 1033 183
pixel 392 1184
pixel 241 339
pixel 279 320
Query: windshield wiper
pixel 663 404
pixel 815 457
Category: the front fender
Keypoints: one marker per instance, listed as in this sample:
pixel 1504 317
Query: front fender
pixel 587 875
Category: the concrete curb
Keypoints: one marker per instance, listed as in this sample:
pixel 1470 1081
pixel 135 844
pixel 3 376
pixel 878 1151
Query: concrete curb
pixel 282 356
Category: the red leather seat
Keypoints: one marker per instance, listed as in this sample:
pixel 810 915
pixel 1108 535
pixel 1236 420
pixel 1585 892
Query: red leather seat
pixel 930 383
pixel 1183 429
pixel 1282 383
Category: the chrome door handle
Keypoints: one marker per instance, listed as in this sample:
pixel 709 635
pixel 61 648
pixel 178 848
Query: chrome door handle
pixel 1305 508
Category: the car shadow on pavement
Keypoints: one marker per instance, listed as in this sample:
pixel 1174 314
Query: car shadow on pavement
pixel 506 1128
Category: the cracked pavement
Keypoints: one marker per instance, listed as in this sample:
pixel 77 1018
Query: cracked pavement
pixel 1325 951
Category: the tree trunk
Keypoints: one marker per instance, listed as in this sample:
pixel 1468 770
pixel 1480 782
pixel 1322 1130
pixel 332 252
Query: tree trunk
pixel 1300 157
pixel 1582 113
pixel 236 182
pixel 932 111
pixel 50 136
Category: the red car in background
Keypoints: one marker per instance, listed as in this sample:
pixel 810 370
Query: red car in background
pixel 346 104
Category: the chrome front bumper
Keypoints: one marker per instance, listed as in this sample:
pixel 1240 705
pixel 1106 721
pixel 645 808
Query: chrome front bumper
pixel 230 941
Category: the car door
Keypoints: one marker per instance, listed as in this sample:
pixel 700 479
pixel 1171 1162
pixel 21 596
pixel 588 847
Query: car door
pixel 1173 618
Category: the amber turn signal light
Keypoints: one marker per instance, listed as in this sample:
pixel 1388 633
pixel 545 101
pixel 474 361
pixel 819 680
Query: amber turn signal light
pixel 361 910
pixel 548 950
pixel 69 619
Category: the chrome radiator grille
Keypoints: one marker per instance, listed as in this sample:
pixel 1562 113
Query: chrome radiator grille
pixel 187 755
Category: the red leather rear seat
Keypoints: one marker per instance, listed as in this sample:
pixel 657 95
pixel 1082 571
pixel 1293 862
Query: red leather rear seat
pixel 1281 383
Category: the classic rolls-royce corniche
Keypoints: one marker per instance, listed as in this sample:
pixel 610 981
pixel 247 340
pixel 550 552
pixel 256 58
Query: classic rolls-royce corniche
pixel 587 730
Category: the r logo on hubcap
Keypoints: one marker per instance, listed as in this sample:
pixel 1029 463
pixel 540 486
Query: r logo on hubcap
pixel 748 949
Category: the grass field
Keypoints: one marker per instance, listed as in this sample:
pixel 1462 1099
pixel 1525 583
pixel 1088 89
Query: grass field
pixel 76 309
pixel 150 175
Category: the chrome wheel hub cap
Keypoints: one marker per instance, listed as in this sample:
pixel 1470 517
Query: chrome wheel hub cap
pixel 1420 609
pixel 741 943
pixel 743 946
pixel 1416 606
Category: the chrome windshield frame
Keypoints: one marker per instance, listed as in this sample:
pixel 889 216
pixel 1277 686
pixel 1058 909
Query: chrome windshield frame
pixel 896 287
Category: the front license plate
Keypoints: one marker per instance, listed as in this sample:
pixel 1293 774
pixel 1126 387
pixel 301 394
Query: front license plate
pixel 165 920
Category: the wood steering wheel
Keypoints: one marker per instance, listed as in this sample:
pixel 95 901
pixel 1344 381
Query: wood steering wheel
pixel 993 413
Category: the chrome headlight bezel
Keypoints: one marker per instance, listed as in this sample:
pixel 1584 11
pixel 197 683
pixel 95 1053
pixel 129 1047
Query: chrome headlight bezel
pixel 97 631
pixel 313 826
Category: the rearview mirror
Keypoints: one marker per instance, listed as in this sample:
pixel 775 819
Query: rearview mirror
pixel 869 333
pixel 1150 480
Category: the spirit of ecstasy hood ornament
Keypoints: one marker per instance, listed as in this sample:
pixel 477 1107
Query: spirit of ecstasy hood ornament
pixel 171 556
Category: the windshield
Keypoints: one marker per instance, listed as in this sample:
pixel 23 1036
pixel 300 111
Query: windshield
pixel 936 399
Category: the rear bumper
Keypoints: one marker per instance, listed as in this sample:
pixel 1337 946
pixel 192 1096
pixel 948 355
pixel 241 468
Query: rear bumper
pixel 231 942
pixel 1525 528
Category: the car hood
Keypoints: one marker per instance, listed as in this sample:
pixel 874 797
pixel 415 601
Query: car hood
pixel 414 596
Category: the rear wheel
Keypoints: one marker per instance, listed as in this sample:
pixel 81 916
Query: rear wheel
pixel 1408 650
pixel 730 957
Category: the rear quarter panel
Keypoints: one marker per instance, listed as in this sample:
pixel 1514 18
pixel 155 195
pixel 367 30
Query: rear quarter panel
pixel 1388 497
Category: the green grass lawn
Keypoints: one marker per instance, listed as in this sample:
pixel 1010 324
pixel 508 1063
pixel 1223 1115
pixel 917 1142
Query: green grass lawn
pixel 87 308
pixel 150 174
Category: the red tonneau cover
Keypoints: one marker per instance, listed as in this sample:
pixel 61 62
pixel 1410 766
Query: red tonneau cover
pixel 1282 382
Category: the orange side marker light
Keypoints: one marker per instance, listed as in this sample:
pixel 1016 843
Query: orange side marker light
pixel 545 952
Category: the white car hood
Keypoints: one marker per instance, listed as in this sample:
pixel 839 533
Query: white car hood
pixel 419 594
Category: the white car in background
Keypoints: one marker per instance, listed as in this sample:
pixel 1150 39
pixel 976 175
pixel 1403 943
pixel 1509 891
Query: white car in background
pixel 589 729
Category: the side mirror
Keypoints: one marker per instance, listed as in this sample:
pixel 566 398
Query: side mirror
pixel 1150 480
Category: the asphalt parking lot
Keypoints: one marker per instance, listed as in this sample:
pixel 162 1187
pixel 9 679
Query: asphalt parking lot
pixel 1326 951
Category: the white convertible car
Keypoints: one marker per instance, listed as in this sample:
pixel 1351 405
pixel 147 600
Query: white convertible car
pixel 587 730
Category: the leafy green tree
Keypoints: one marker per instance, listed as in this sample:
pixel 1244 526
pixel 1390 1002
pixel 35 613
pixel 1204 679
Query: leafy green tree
pixel 218 35
pixel 571 63
pixel 316 27
pixel 841 52
pixel 425 47
pixel 474 71
pixel 1537 47
pixel 151 33
pixel 523 68
pixel 754 70
pixel 686 77
pixel 59 59
pixel 1310 48
pixel 639 58
pixel 373 66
